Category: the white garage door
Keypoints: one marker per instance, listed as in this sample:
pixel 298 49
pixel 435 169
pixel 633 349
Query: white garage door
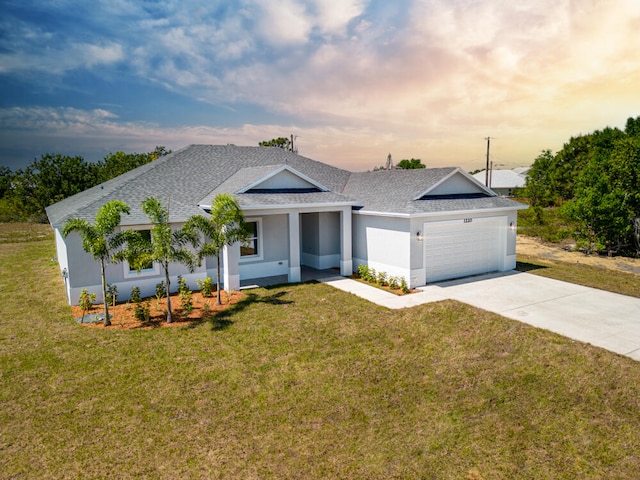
pixel 459 248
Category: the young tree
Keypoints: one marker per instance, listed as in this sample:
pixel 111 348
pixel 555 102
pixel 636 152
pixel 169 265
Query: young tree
pixel 224 226
pixel 163 247
pixel 100 239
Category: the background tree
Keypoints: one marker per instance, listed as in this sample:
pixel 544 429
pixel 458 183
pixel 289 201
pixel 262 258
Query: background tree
pixel 54 177
pixel 539 188
pixel 118 163
pixel 48 180
pixel 280 142
pixel 410 164
pixel 5 180
pixel 595 179
pixel 163 247
pixel 224 226
pixel 100 240
pixel 607 196
pixel 8 212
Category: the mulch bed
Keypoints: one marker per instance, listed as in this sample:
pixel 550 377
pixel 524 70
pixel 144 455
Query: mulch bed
pixel 122 315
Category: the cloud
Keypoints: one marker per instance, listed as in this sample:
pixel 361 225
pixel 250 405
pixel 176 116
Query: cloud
pixel 421 78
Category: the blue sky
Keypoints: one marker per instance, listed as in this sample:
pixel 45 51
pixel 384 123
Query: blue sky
pixel 354 80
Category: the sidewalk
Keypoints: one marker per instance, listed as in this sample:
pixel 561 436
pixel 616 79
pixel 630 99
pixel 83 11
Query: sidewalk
pixel 604 319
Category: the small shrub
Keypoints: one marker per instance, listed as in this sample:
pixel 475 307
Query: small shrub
pixel 363 271
pixel 186 300
pixel 135 295
pixel 206 286
pixel 404 286
pixel 383 279
pixel 161 290
pixel 182 284
pixel 372 276
pixel 206 308
pixel 394 283
pixel 112 294
pixel 141 312
pixel 86 302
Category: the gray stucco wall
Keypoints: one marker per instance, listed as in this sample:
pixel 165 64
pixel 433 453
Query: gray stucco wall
pixel 329 233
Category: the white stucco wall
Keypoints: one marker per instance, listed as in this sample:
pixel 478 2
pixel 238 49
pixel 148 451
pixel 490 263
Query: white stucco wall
pixel 393 245
pixel 61 255
pixel 383 243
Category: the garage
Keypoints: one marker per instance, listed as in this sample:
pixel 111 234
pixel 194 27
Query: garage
pixel 463 247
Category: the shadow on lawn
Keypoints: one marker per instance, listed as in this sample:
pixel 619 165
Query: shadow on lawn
pixel 223 319
pixel 528 267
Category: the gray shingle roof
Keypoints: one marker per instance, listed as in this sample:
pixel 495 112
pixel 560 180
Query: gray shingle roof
pixel 394 191
pixel 181 179
pixel 184 178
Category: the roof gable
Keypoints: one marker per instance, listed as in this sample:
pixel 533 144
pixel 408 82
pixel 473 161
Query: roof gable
pixel 282 179
pixel 456 184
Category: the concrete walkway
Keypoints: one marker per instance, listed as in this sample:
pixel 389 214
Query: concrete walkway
pixel 603 319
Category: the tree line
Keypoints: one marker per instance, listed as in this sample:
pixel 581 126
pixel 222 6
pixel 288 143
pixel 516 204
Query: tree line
pixel 25 193
pixel 595 181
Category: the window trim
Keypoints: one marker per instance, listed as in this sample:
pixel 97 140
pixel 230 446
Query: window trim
pixel 259 240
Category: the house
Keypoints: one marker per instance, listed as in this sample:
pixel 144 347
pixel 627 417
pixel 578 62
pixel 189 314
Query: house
pixel 424 225
pixel 503 182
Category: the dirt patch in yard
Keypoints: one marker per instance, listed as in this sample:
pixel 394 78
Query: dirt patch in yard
pixel 535 248
pixel 123 314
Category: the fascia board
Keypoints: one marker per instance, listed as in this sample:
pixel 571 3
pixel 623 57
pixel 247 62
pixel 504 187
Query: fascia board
pixel 470 213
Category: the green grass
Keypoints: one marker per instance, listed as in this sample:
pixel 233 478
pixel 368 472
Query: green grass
pixel 24 232
pixel 303 381
pixel 624 283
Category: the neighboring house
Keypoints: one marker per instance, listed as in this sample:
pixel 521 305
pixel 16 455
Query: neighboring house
pixel 503 182
pixel 424 225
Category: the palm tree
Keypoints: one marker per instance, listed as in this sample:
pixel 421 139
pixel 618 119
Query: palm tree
pixel 163 247
pixel 224 226
pixel 100 239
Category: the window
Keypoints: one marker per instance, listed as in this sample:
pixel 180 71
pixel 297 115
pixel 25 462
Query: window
pixel 252 249
pixel 149 269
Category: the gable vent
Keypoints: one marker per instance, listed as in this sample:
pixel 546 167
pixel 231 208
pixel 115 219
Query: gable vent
pixel 456 196
pixel 284 190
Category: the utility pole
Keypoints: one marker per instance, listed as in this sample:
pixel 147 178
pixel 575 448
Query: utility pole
pixel 486 172
pixel 292 142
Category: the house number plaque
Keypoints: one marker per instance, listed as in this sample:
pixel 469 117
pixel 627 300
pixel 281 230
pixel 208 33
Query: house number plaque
pixel 468 220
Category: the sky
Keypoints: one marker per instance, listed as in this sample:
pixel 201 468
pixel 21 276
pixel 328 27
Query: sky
pixel 352 80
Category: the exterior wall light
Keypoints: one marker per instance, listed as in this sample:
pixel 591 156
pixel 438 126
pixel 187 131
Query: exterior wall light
pixel 419 236
pixel 512 227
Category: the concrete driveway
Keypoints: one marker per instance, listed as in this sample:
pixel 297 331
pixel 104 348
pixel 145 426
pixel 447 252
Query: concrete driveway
pixel 604 319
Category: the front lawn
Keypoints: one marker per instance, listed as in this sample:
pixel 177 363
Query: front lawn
pixel 303 381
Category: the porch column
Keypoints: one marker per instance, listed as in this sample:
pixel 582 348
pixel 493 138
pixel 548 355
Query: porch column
pixel 346 259
pixel 231 265
pixel 294 247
